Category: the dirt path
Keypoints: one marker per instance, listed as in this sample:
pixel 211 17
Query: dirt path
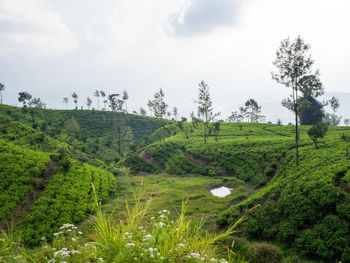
pixel 146 156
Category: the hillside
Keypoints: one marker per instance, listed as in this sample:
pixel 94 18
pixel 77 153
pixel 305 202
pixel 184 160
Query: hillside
pixel 304 208
pixel 87 131
pixel 47 172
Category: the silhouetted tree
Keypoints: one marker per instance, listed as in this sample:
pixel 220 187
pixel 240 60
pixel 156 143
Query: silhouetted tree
pixel 65 101
pixel 2 88
pixel 175 113
pixel 205 108
pixel 150 106
pixel 235 117
pixel 97 95
pixel 24 97
pixel 313 113
pixel 117 105
pixel 103 95
pixel 143 112
pixel 37 103
pixel 159 108
pixel 125 99
pixel 294 67
pixel 252 111
pixel 75 99
pixel 88 102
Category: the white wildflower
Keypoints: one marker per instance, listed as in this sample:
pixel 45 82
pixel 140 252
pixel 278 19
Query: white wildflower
pixel 130 245
pixel 80 233
pixel 195 255
pixel 74 239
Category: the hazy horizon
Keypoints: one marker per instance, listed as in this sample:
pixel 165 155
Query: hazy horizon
pixel 53 48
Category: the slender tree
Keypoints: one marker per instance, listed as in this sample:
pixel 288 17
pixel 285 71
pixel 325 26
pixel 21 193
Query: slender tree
pixel 103 95
pixel 143 111
pixel 159 108
pixel 252 111
pixel 65 101
pixel 205 108
pixel 24 97
pixel 37 103
pixel 125 99
pixel 235 117
pixel 294 69
pixel 117 105
pixel 88 102
pixel 334 103
pixel 150 106
pixel 97 95
pixel 175 113
pixel 2 88
pixel 75 99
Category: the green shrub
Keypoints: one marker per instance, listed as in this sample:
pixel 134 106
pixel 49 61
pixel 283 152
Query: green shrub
pixel 264 253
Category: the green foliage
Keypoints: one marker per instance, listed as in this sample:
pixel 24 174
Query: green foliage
pixel 67 198
pixel 18 167
pixel 317 131
pixel 264 253
pixel 306 206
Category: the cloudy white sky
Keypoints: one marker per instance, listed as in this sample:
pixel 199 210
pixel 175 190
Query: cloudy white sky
pixel 51 48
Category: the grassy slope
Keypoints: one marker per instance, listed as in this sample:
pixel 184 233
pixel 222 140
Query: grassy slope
pixel 305 207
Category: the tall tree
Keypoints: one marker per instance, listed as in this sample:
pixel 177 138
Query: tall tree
pixel 294 70
pixel 117 105
pixel 252 111
pixel 88 102
pixel 313 112
pixel 65 101
pixel 143 111
pixel 175 113
pixel 235 117
pixel 75 99
pixel 159 108
pixel 205 108
pixel 334 104
pixel 97 95
pixel 2 88
pixel 150 106
pixel 24 97
pixel 37 103
pixel 125 99
pixel 103 95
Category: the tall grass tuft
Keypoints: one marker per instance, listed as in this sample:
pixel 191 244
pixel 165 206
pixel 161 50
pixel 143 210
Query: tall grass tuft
pixel 158 239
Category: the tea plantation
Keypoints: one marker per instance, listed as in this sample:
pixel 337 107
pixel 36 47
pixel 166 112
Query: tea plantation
pixel 50 175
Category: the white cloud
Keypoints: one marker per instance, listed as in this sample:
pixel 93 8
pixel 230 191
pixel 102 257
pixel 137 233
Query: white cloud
pixel 29 27
pixel 201 16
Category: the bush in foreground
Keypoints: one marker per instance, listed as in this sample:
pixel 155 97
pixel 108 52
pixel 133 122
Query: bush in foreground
pixel 264 253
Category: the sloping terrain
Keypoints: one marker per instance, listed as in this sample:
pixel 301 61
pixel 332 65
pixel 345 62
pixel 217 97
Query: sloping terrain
pixel 305 207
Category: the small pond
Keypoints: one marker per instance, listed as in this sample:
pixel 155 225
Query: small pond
pixel 221 191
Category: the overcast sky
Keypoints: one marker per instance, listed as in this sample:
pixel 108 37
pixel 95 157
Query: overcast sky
pixel 52 48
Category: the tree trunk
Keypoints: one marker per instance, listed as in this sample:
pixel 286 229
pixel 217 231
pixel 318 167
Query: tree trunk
pixel 163 133
pixel 119 140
